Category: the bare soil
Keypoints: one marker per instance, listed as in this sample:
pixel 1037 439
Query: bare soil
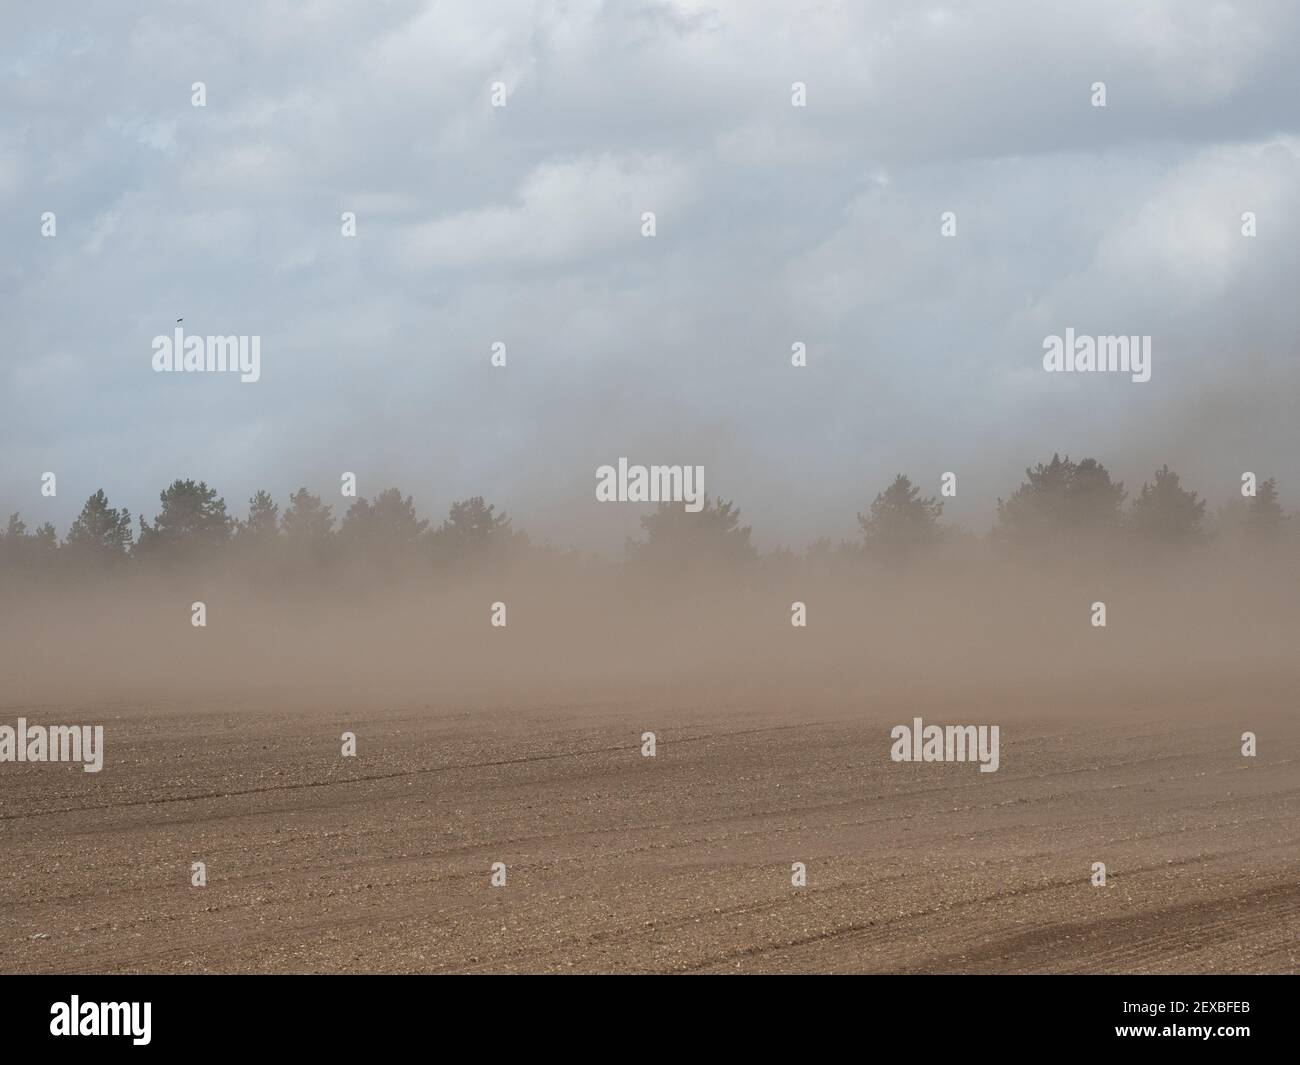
pixel 678 863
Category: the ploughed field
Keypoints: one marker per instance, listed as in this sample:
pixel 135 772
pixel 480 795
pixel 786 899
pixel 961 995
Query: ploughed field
pixel 681 862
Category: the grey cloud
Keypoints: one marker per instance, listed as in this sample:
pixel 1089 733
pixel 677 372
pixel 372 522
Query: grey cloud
pixel 776 224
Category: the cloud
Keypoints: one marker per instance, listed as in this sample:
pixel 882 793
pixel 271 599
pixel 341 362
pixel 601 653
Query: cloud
pixel 522 224
pixel 563 212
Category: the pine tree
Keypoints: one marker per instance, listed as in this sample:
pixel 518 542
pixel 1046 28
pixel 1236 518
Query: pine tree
pixel 100 533
pixel 900 519
pixel 1165 512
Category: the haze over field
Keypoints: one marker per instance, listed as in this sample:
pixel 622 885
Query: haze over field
pixel 866 623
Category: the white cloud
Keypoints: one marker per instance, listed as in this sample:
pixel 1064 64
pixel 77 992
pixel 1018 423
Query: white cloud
pixel 562 212
pixel 774 224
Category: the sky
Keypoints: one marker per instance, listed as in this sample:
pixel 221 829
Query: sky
pixel 521 224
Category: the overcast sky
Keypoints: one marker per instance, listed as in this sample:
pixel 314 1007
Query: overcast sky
pixel 522 224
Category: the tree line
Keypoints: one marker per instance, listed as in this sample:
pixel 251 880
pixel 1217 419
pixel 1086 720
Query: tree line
pixel 1069 504
pixel 193 523
pixel 1062 503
